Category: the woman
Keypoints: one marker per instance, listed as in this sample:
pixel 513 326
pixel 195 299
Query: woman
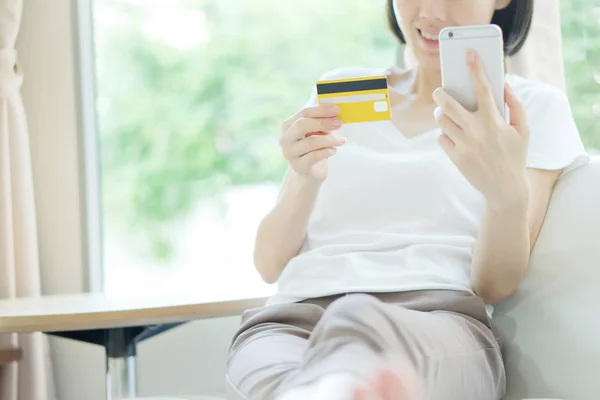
pixel 391 240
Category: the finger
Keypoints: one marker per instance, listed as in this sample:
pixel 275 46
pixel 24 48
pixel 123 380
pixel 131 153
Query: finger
pixel 310 159
pixel 449 127
pixel 483 90
pixel 317 111
pixel 451 106
pixel 447 144
pixel 518 118
pixel 316 142
pixel 304 126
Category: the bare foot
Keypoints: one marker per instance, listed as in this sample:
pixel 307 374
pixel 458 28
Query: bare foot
pixel 391 384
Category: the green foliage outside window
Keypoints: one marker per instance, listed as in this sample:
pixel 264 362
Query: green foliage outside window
pixel 178 124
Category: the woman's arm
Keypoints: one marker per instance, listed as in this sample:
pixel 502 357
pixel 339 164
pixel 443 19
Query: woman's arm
pixel 509 231
pixel 307 142
pixel 492 155
pixel 282 231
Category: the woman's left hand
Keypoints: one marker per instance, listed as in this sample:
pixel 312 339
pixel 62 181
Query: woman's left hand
pixel 489 152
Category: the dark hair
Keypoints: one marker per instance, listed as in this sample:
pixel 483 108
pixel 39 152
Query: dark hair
pixel 514 20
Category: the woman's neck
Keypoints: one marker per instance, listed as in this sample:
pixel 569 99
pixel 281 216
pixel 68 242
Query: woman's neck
pixel 425 82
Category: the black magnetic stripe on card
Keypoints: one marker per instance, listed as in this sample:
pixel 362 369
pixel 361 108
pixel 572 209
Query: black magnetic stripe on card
pixel 351 86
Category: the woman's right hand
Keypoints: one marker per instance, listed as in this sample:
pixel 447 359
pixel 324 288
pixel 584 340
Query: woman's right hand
pixel 307 140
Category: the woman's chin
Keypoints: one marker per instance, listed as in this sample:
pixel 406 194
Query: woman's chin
pixel 427 61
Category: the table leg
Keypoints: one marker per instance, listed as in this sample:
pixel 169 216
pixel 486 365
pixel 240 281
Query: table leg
pixel 121 371
pixel 120 345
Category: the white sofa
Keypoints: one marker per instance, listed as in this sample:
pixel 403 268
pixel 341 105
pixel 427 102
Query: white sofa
pixel 551 326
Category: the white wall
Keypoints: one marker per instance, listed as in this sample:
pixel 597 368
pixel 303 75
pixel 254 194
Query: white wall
pixel 187 360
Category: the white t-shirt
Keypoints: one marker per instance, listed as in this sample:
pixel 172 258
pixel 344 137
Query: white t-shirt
pixel 396 215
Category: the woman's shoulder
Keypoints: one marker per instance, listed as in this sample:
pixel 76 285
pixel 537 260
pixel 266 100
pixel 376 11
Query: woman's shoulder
pixel 534 93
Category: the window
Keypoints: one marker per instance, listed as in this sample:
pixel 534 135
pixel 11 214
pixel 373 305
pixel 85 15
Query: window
pixel 580 21
pixel 190 95
pixel 190 98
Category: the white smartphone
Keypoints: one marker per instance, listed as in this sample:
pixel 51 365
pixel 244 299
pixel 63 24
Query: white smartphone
pixel 487 42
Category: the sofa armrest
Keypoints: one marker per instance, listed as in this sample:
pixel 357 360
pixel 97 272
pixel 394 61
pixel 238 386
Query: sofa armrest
pixel 551 325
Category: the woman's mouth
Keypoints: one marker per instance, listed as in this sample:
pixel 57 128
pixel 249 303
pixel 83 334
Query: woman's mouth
pixel 430 40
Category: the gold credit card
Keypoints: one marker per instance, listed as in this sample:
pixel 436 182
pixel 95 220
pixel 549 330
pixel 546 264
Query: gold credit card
pixel 360 99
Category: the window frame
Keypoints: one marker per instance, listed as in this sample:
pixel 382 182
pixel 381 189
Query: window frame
pixel 89 145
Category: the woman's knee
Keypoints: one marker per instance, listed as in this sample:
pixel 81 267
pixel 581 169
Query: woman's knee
pixel 353 306
pixel 355 309
pixel 356 320
pixel 365 316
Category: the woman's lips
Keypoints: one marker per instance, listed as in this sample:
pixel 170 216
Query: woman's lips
pixel 429 40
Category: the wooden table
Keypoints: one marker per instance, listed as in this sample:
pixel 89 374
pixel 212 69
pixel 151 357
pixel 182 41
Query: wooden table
pixel 116 322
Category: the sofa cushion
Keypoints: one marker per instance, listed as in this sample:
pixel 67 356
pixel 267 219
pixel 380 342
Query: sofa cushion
pixel 551 326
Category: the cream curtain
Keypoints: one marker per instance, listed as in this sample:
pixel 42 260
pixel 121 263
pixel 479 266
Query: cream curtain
pixel 541 58
pixel 19 265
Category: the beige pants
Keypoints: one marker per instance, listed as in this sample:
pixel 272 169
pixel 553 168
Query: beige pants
pixel 446 335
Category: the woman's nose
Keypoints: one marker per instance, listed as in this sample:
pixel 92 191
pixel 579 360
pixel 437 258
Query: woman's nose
pixel 433 10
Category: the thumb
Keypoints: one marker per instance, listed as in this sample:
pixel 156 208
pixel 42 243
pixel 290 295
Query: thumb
pixel 518 119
